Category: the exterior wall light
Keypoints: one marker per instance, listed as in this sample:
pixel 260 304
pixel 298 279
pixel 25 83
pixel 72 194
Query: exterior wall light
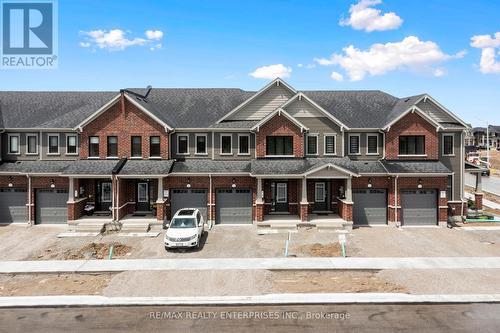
pixel 419 183
pixel 370 182
pixel 233 185
pixel 52 183
pixel 188 185
pixel 10 182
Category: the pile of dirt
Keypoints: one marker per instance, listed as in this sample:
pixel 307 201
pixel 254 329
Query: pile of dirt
pixel 333 281
pixel 53 284
pixel 99 251
pixel 320 250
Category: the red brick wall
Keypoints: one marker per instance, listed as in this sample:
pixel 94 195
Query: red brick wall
pixel 123 124
pixel 280 126
pixel 345 210
pixel 412 124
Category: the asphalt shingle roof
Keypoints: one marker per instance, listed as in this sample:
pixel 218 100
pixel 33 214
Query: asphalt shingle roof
pixel 35 167
pixel 415 167
pixel 91 167
pixel 146 167
pixel 211 166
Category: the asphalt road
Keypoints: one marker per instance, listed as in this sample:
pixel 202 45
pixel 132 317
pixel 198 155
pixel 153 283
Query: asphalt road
pixel 324 318
pixel 490 184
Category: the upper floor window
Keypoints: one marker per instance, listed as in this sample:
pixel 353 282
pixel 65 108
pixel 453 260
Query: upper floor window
pixel 14 144
pixel 354 144
pixel 372 144
pixel 71 144
pixel 136 146
pixel 447 144
pixel 154 146
pixel 412 145
pixel 93 146
pixel 183 144
pixel 243 144
pixel 112 146
pixel 201 144
pixel 312 144
pixel 329 144
pixel 31 144
pixel 279 145
pixel 53 144
pixel 226 145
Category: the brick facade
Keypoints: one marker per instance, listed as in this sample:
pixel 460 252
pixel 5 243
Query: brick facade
pixel 280 125
pixel 412 124
pixel 123 122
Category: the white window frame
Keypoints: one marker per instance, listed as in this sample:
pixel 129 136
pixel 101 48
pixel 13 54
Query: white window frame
pixel 76 141
pixel 334 144
pixel 58 144
pixel 178 136
pixel 368 136
pixel 349 144
pixel 220 146
pixel 28 135
pixel 18 136
pixel 452 144
pixel 196 136
pixel 239 149
pixel 317 143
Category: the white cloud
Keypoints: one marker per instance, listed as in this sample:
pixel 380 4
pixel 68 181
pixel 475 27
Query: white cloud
pixel 488 46
pixel 364 17
pixel 272 72
pixel 154 34
pixel 337 76
pixel 117 39
pixel 438 72
pixel 300 65
pixel 409 54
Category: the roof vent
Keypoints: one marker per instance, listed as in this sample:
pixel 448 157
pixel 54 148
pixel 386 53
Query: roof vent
pixel 137 95
pixel 406 100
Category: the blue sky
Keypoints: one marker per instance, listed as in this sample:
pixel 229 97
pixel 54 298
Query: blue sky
pixel 220 43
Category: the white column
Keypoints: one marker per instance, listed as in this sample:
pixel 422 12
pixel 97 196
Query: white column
pixel 159 199
pixel 304 191
pixel 259 191
pixel 479 187
pixel 348 190
pixel 71 194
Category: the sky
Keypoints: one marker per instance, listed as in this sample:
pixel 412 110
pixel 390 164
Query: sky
pixel 448 49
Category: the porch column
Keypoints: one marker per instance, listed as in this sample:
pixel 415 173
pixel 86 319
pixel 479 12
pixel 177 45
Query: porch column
pixel 478 194
pixel 71 190
pixel 348 190
pixel 259 202
pixel 304 205
pixel 160 209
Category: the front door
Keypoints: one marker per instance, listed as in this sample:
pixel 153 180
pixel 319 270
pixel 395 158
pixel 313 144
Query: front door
pixel 104 192
pixel 320 197
pixel 280 197
pixel 142 197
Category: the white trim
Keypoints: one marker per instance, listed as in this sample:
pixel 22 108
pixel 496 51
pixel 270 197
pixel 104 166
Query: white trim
pixel 367 146
pixel 276 82
pixel 334 144
pixel 220 144
pixel 279 112
pixel 330 165
pixel 412 109
pixel 187 146
pixel 36 145
pixel 317 143
pixel 97 113
pixel 196 143
pixel 18 136
pixel 76 143
pixel 49 135
pixel 239 149
pixel 139 106
pixel 301 96
pixel 349 135
pixel 452 135
pixel 426 96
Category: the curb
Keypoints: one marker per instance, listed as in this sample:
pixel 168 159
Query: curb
pixel 269 299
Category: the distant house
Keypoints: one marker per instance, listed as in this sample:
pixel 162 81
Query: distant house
pixel 469 136
pixel 480 134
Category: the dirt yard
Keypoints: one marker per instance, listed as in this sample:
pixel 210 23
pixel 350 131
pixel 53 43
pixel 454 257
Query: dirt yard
pixel 494 160
pixel 88 251
pixel 53 284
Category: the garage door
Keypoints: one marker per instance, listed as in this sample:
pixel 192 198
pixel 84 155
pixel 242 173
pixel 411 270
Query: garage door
pixel 370 206
pixel 189 198
pixel 419 207
pixel 233 206
pixel 13 205
pixel 51 206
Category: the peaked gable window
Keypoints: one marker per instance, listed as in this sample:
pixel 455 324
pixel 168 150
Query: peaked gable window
pixel 279 145
pixel 412 145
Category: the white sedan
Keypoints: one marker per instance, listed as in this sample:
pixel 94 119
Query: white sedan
pixel 185 230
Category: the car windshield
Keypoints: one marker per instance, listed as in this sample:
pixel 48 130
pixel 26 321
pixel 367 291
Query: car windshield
pixel 184 222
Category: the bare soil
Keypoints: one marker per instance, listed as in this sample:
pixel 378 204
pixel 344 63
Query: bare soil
pixel 494 160
pixel 90 251
pixel 320 250
pixel 53 284
pixel 486 195
pixel 333 282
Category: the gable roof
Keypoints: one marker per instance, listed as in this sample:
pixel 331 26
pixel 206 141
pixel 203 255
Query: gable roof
pixel 280 112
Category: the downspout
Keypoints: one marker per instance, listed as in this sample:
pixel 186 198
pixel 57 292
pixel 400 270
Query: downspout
pixel 211 223
pixel 113 198
pixel 462 148
pixel 40 146
pixel 117 198
pixel 29 200
pixel 398 224
pixel 383 144
pixel 213 145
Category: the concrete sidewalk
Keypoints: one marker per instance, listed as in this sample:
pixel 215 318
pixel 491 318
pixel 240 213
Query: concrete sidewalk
pixel 270 299
pixel 87 266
